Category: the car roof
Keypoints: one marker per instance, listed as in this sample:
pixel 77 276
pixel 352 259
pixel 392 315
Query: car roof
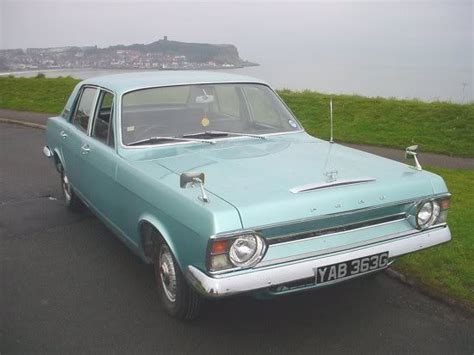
pixel 122 83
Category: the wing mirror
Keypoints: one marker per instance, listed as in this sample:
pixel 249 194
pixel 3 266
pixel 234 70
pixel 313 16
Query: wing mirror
pixel 191 179
pixel 411 154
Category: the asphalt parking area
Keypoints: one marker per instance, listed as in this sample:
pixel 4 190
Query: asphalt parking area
pixel 68 285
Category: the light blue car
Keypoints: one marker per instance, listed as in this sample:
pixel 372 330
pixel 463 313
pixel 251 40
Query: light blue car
pixel 211 178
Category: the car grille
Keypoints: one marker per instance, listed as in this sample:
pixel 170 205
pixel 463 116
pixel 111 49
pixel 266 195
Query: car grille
pixel 337 229
pixel 335 223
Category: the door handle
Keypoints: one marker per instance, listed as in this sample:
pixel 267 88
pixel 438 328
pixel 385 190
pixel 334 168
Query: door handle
pixel 85 149
pixel 63 134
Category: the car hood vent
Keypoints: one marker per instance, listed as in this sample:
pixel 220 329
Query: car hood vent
pixel 325 185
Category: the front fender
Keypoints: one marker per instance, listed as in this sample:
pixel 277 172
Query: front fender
pixel 161 228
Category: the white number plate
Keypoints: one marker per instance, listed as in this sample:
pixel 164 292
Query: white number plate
pixel 350 268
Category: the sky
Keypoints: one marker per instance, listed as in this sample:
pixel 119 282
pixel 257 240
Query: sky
pixel 331 35
pixel 105 22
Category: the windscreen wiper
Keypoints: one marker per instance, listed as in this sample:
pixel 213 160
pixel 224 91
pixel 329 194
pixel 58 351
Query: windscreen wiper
pixel 156 139
pixel 220 133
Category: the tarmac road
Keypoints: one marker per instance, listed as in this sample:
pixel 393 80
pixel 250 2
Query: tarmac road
pixel 69 286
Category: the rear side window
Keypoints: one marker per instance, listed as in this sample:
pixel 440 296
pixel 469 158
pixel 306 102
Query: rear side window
pixel 84 108
pixel 102 128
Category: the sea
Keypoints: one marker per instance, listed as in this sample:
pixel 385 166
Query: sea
pixel 408 50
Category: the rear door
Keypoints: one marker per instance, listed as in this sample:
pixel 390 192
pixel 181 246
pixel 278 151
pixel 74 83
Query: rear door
pixel 74 138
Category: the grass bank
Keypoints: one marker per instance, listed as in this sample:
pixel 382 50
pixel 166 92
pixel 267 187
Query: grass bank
pixel 449 268
pixel 437 127
pixel 35 94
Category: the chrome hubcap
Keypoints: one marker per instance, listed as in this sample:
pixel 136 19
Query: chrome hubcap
pixel 66 188
pixel 167 273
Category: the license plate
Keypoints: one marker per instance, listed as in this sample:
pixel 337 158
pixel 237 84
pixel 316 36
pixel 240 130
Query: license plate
pixel 350 268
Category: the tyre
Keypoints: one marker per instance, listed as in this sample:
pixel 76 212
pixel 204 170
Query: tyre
pixel 72 201
pixel 177 297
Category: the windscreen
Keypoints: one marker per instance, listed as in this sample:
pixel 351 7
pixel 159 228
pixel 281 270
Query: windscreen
pixel 196 110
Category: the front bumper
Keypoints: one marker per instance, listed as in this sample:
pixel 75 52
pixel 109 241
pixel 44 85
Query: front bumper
pixel 260 278
pixel 47 152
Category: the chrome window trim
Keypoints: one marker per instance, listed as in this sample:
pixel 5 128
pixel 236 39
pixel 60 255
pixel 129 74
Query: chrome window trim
pixel 94 110
pixel 95 117
pixel 119 113
pixel 76 106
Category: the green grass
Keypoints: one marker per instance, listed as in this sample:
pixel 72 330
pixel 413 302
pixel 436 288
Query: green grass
pixel 437 127
pixel 35 94
pixel 449 268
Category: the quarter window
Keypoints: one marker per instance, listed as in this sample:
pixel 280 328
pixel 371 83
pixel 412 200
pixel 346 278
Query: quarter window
pixel 84 108
pixel 102 128
pixel 265 111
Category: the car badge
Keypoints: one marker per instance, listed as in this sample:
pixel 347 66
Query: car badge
pixel 331 176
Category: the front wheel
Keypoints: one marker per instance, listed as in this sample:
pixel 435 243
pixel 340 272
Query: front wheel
pixel 178 298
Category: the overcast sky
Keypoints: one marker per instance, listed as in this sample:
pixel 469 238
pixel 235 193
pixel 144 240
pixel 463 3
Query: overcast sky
pixel 105 22
pixel 370 36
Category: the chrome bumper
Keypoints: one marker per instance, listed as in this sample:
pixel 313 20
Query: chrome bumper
pixel 259 278
pixel 47 152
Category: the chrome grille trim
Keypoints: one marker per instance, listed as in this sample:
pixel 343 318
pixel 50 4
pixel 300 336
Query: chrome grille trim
pixel 346 247
pixel 338 229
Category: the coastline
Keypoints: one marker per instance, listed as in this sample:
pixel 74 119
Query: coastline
pixel 49 70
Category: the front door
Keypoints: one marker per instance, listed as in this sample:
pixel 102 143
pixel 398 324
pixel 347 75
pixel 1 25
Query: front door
pixel 74 138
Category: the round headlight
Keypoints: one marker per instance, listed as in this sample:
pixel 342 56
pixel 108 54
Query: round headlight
pixel 246 250
pixel 428 214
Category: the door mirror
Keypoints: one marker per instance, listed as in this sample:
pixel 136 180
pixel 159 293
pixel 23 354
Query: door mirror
pixel 190 178
pixel 410 152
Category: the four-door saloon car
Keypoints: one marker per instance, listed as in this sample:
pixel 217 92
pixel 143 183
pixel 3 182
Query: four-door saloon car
pixel 211 178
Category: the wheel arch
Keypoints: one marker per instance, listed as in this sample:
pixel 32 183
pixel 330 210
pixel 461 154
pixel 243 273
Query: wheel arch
pixel 58 160
pixel 149 229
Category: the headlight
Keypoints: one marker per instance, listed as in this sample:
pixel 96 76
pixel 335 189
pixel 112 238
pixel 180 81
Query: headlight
pixel 241 251
pixel 246 250
pixel 432 212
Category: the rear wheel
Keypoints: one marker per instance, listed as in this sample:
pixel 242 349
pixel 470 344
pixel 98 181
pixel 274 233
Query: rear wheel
pixel 177 297
pixel 72 201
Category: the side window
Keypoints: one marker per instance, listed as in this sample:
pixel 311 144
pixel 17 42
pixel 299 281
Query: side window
pixel 102 128
pixel 84 108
